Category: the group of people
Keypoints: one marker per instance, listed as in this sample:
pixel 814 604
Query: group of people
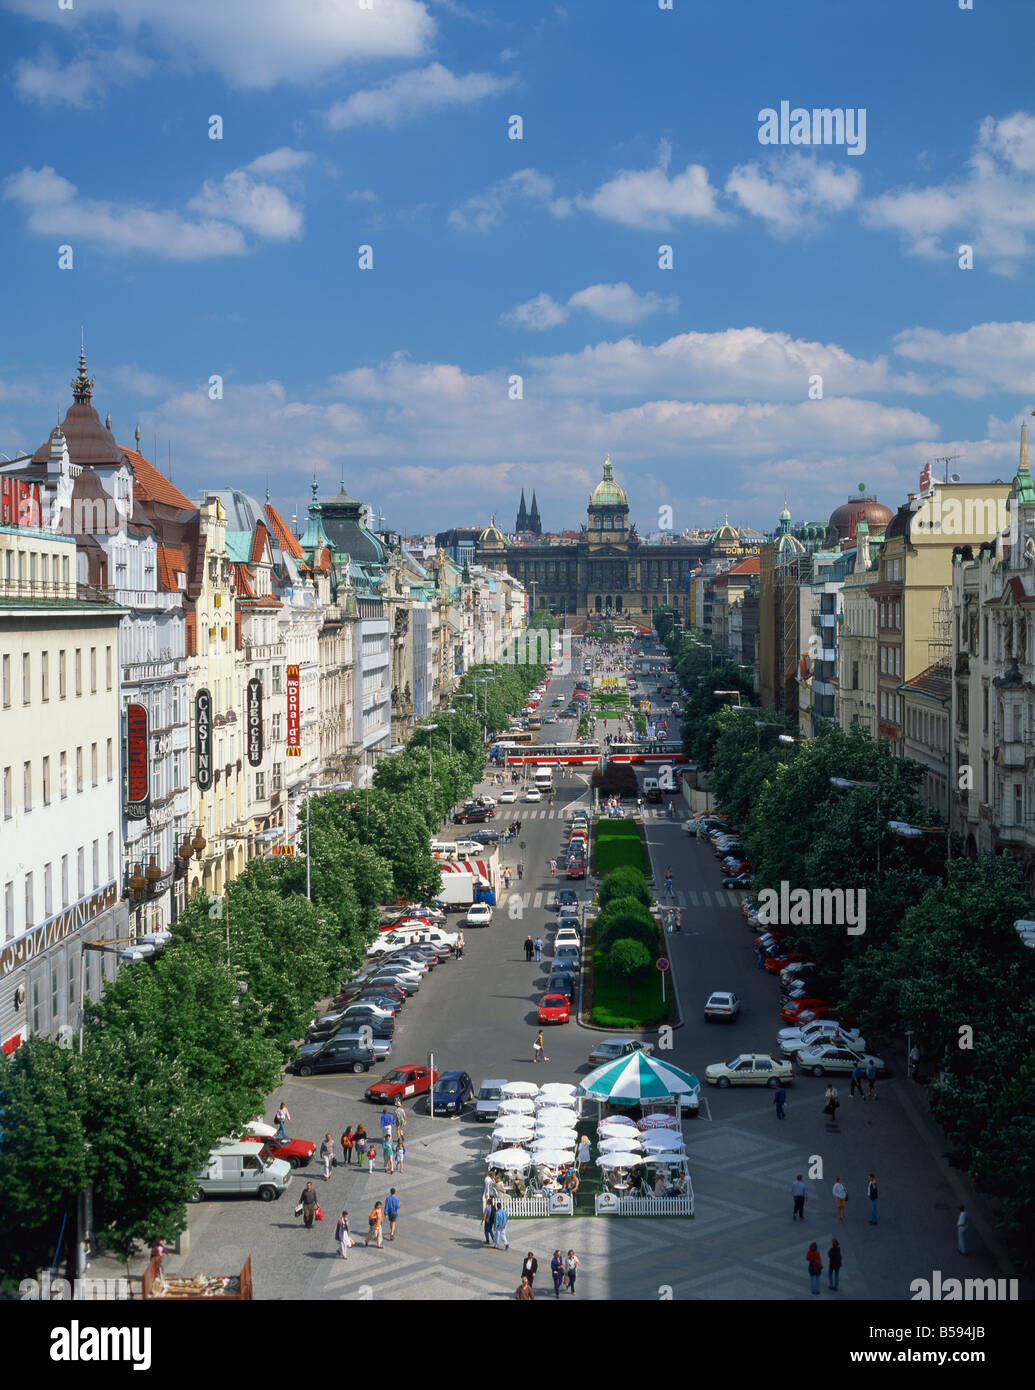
pixel 839 1192
pixel 613 807
pixel 563 1268
pixel 534 946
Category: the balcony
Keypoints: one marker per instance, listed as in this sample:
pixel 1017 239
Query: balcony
pixel 822 620
pixel 167 667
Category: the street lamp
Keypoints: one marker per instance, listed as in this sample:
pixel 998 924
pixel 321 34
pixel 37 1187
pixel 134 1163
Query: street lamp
pixel 308 793
pixel 431 729
pixel 761 724
pixel 739 695
pixel 847 784
pixel 916 832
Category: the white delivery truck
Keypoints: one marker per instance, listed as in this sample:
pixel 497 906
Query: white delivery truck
pixel 462 885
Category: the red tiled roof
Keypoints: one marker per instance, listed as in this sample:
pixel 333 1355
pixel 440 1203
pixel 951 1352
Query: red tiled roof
pixel 288 543
pixel 935 681
pixel 243 582
pixel 170 559
pixel 151 486
pixel 259 537
pixel 750 565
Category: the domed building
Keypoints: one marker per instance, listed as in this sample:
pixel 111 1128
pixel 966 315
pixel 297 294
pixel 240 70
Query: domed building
pixel 845 519
pixel 605 569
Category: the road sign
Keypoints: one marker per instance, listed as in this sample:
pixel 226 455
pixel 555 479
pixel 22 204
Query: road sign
pixel 662 964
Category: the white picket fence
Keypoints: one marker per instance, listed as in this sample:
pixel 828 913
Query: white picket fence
pixel 609 1205
pixel 536 1204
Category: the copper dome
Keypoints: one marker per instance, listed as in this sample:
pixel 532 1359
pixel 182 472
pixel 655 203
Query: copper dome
pixel 844 519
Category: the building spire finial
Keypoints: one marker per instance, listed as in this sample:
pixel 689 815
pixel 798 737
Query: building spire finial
pixel 82 386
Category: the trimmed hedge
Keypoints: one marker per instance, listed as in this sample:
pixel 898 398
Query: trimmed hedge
pixel 617 844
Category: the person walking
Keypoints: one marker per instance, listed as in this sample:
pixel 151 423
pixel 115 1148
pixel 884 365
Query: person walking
pixel 553 868
pixel 375 1225
pixel 679 920
pixel 400 1118
pixel 557 1270
pixel 327 1155
pixel 347 1142
pixel 461 942
pixel 524 1292
pixel 832 1103
pixel 834 1264
pixel 400 1153
pixel 281 1118
pixel 815 1263
pixel 359 1140
pixel 857 1081
pixel 488 1218
pixel 529 948
pixel 780 1100
pixel 521 869
pixel 800 1194
pixel 871 1081
pixel 840 1198
pixel 371 1156
pixel 759 958
pixel 530 1268
pixel 571 1269
pixel 499 1227
pixel 539 947
pixel 388 1151
pixel 392 1205
pixel 914 1061
pixel 309 1205
pixel 341 1235
pixel 584 1152
pixel 961 1231
pixel 871 1192
pixel 537 1048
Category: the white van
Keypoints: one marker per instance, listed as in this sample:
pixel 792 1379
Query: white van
pixel 650 784
pixel 238 1166
pixel 543 780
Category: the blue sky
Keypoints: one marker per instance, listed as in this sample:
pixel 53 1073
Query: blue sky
pixel 345 126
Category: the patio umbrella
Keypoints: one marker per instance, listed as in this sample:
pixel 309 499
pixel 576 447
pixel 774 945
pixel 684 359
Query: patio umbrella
pixel 555 1119
pixel 557 1088
pixel 608 1146
pixel 516 1107
pixel 554 1103
pixel 261 1129
pixel 637 1077
pixel 551 1158
pixel 514 1090
pixel 662 1141
pixel 508 1158
pixel 513 1126
pixel 620 1160
pixel 657 1121
pixel 616 1122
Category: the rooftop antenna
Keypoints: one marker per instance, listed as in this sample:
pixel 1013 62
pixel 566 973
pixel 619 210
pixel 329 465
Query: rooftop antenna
pixel 947 459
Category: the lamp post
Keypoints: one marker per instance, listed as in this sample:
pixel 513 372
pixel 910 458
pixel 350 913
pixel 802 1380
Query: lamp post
pixel 846 784
pixel 739 695
pixel 431 729
pixel 309 789
pixel 916 832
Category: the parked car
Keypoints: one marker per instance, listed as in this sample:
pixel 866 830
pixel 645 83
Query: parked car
pixel 743 880
pixel 567 897
pixel 486 837
pixel 507 797
pixel 533 794
pixel 565 951
pixel 490 1094
pixel 610 1049
pixel 567 936
pixel 554 1008
pixel 576 868
pixel 238 1167
pixel 334 1055
pixel 562 982
pixel 410 936
pixel 380 1046
pixel 835 1057
pixel 451 1092
pixel 409 1080
pixel 750 1069
pixel 802 1011
pixel 792 1040
pixel 722 1006
pixel 297 1153
pixel 776 963
pixel 479 915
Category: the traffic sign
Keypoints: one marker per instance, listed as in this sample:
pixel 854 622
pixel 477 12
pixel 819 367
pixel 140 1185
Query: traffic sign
pixel 662 964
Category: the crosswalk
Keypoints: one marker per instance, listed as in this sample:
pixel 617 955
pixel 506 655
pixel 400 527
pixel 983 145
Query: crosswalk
pixel 703 900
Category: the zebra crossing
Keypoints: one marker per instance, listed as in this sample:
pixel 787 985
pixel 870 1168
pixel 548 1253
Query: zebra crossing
pixel 704 900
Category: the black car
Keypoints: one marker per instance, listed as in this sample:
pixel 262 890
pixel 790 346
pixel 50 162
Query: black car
pixel 562 982
pixel 567 897
pixel 468 816
pixel 335 1055
pixel 485 837
pixel 653 794
pixel 739 881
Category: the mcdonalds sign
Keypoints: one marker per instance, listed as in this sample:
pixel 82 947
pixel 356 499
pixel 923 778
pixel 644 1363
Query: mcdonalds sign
pixel 294 731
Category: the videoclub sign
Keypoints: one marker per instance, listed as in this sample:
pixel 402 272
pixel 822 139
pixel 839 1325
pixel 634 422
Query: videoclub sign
pixel 254 717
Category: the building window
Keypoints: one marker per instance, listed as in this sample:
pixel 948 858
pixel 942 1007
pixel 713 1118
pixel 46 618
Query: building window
pixel 278 775
pixel 26 679
pixel 1018 803
pixel 111 760
pixel 63 776
pixel 45 676
pixel 6 680
pixel 260 786
pixel 111 856
pixel 93 670
pixel 93 764
pixel 107 666
pixel 30 902
pixel 276 728
pixel 48 890
pixel 46 781
pixel 78 670
pixel 81 872
pixel 71 965
pixel 55 991
pixel 8 910
pixel 8 795
pixel 27 786
pixel 64 880
pixel 96 865
pixel 61 675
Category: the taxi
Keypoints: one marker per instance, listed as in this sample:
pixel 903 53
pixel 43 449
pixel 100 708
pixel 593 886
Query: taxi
pixel 409 1080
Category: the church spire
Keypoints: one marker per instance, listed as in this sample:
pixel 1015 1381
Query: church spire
pixel 522 516
pixel 82 386
pixel 1023 493
pixel 534 523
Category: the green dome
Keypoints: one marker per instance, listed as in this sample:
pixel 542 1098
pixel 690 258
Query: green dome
pixel 607 493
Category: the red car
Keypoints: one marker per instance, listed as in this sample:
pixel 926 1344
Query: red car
pixel 297 1152
pixel 576 868
pixel 554 1008
pixel 777 963
pixel 802 1011
pixel 407 922
pixel 409 1080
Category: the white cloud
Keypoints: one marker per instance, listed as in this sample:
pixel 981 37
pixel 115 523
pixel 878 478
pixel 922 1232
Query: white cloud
pixel 223 211
pixel 259 45
pixel 992 207
pixel 649 198
pixel 989 357
pixel 619 303
pixel 484 210
pixel 83 81
pixel 790 193
pixel 409 94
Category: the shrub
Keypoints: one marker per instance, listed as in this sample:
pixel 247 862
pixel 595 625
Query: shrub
pixel 627 919
pixel 624 882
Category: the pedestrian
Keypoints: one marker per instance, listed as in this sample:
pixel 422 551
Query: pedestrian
pixel 461 942
pixel 571 1269
pixel 832 1103
pixel 834 1264
pixel 840 1198
pixel 537 1048
pixel 669 891
pixel 521 869
pixel 282 1116
pixel 400 1118
pixel 539 945
pixel 400 1154
pixel 871 1081
pixel 524 1292
pixel 914 1061
pixel 583 1153
pixel 800 1194
pixel 530 1268
pixel 488 1217
pixel 327 1154
pixel 871 1192
pixel 375 1224
pixel 857 1080
pixel 309 1205
pixel 388 1151
pixel 499 1227
pixel 557 1270
pixel 341 1235
pixel 392 1205
pixel 371 1156
pixel 815 1264
pixel 780 1100
pixel 529 947
pixel 553 868
pixel 679 920
pixel 347 1142
pixel 961 1231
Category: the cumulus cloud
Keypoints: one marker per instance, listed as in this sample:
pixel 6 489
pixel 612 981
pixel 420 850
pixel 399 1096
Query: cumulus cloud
pixel 484 211
pixel 790 193
pixel 411 94
pixel 220 214
pixel 989 357
pixel 992 207
pixel 650 198
pixel 618 303
pixel 84 81
pixel 259 45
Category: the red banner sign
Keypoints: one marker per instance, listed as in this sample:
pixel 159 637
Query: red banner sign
pixel 294 729
pixel 137 780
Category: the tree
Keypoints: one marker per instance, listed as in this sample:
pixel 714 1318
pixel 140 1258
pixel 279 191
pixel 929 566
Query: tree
pixel 700 727
pixel 626 917
pixel 624 882
pixel 745 757
pixel 628 960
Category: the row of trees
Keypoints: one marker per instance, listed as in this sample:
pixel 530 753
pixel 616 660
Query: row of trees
pixel 693 660
pixel 184 1048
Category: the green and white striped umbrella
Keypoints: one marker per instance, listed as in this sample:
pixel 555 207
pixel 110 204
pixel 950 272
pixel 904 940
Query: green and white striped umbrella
pixel 638 1077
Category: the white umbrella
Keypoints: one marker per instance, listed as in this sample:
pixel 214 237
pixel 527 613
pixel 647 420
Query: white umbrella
pixel 555 1103
pixel 508 1158
pixel 551 1158
pixel 516 1126
pixel 553 1123
pixel 260 1129
pixel 557 1088
pixel 619 1160
pixel 516 1089
pixel 516 1107
pixel 608 1146
pixel 620 1121
pixel 662 1141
